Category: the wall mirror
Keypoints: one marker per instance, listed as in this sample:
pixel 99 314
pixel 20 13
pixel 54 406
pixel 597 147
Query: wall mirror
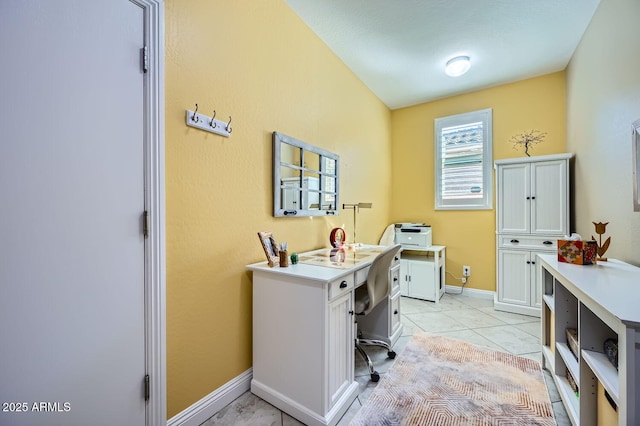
pixel 635 142
pixel 305 178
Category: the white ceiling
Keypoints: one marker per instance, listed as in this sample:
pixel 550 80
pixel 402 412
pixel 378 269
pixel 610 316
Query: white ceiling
pixel 399 48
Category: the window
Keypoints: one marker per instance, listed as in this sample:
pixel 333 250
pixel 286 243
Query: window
pixel 463 161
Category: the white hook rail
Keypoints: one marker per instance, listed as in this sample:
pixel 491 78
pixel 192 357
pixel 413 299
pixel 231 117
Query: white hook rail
pixel 209 124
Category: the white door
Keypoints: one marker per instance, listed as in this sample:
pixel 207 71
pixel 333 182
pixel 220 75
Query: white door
pixel 549 197
pixel 72 196
pixel 340 350
pixel 514 201
pixel 422 284
pixel 514 277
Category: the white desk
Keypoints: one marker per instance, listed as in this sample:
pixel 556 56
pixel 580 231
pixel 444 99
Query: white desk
pixel 303 333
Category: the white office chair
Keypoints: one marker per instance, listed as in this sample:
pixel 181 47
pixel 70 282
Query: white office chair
pixel 368 295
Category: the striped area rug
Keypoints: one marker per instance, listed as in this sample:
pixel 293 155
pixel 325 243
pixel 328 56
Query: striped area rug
pixel 440 381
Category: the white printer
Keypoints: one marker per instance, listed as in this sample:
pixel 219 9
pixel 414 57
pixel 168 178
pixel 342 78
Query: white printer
pixel 413 236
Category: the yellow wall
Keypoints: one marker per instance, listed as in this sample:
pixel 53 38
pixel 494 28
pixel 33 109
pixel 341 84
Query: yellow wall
pixel 603 99
pixel 537 103
pixel 258 62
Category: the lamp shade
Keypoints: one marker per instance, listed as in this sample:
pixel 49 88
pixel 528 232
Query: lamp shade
pixel 457 66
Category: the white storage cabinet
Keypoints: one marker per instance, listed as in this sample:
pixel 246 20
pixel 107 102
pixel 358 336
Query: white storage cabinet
pixel 422 275
pixel 532 214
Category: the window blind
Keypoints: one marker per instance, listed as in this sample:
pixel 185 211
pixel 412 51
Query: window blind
pixel 462 157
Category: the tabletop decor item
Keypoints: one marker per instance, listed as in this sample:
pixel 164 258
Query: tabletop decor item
pixel 611 351
pixel 601 228
pixel 577 252
pixel 270 248
pixel 284 255
pixel 527 139
pixel 337 237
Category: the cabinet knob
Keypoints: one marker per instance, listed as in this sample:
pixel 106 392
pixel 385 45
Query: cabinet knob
pixel 528 198
pixel 515 241
pixel 396 258
pixel 548 242
pixel 351 312
pixel 533 262
pixel 395 312
pixel 533 198
pixel 395 278
pixel 528 262
pixel 343 284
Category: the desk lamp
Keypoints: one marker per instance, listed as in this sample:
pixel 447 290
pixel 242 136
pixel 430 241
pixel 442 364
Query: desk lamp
pixel 356 208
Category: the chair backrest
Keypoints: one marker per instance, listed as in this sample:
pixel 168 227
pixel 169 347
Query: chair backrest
pixel 379 278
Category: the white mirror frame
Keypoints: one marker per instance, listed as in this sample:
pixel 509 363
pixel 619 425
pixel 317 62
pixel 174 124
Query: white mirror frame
pixel 635 143
pixel 304 210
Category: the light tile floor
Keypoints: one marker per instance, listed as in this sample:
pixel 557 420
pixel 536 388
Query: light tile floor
pixel 457 316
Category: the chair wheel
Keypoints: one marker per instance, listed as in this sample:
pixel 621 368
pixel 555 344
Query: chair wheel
pixel 375 376
pixel 391 354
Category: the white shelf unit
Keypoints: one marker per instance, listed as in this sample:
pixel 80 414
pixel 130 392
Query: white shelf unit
pixel 422 273
pixel 596 300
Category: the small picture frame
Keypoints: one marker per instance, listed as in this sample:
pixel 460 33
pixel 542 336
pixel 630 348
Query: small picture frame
pixel 270 248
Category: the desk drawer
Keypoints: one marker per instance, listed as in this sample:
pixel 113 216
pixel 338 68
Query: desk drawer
pixel 396 260
pixel 395 279
pixel 394 313
pixel 340 286
pixel 361 275
pixel 528 242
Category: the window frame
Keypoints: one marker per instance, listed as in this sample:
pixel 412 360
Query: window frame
pixel 486 202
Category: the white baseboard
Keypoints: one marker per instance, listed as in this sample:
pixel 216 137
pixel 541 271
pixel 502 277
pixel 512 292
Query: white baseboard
pixel 471 292
pixel 200 411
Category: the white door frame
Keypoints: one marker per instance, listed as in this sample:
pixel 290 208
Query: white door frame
pixel 155 259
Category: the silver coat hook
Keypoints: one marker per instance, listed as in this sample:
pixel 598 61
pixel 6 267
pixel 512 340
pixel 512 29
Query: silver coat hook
pixel 193 117
pixel 211 123
pixel 228 128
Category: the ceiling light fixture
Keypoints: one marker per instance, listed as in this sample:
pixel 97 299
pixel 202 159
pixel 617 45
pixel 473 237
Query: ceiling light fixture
pixel 457 66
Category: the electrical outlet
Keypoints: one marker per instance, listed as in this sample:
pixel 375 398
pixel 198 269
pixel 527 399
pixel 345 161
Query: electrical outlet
pixel 466 271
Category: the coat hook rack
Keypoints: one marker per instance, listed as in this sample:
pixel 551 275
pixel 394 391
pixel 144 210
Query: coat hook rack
pixel 209 124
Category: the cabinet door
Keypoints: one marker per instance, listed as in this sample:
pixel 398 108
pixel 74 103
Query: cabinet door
pixel 422 282
pixel 514 210
pixel 290 196
pixel 340 350
pixel 404 277
pixel 514 277
pixel 536 290
pixel 549 197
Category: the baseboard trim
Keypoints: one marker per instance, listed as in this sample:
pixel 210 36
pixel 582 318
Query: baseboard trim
pixel 200 411
pixel 471 292
pixel 517 309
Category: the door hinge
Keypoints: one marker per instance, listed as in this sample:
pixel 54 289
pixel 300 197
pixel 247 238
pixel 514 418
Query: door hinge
pixel 146 387
pixel 145 226
pixel 145 59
